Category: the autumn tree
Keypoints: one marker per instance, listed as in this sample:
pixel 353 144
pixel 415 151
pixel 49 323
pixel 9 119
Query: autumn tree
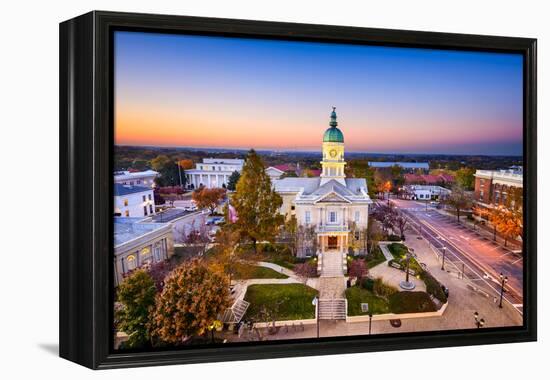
pixel 510 224
pixel 465 178
pixel 197 238
pixel 290 234
pixel 226 257
pixel 232 181
pixel 136 300
pixel 185 164
pixel 192 299
pixel 256 202
pixel 208 198
pixel 458 200
pixel 304 271
pixel 357 269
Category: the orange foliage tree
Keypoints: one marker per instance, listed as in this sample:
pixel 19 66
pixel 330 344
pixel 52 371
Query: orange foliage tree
pixel 208 198
pixel 185 164
pixel 193 298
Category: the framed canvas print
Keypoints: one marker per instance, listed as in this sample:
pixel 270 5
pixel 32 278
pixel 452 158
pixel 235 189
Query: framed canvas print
pixel 237 190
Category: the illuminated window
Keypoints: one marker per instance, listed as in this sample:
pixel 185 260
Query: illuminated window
pixel 126 213
pixel 131 260
pixel 125 202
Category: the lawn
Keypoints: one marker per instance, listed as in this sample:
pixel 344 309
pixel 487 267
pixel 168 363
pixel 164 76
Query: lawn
pixel 399 252
pixel 375 258
pixel 248 271
pixel 357 295
pixel 411 302
pixel 282 302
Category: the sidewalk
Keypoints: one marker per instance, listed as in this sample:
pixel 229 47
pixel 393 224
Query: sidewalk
pixel 463 302
pixel 483 231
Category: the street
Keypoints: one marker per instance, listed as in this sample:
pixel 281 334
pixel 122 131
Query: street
pixel 480 259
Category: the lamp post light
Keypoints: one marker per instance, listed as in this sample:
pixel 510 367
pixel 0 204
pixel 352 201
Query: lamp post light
pixel 503 281
pixel 370 322
pixel 407 285
pixel 443 261
pixel 315 302
pixel 478 321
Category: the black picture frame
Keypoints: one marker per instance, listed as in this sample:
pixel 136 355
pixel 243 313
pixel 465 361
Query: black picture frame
pixel 86 142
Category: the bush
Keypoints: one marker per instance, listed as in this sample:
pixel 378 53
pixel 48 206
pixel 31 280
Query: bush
pixel 433 287
pixel 367 284
pixel 380 288
pixel 394 238
pixel 411 302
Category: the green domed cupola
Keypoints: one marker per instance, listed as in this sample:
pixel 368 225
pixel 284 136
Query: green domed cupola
pixel 333 134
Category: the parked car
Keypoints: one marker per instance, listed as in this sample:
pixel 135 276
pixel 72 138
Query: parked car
pixel 214 220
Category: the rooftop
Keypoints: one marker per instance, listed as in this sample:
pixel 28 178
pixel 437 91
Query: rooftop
pixel 127 229
pixel 120 189
pixel 120 176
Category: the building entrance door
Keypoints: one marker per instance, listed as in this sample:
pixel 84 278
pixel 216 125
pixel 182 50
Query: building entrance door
pixel 332 242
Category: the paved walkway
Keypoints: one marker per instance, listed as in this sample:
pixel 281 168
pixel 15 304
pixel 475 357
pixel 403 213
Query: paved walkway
pixel 385 251
pixel 393 277
pixel 463 302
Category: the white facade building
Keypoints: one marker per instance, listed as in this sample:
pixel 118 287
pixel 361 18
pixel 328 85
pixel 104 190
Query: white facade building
pixel 331 203
pixel 139 243
pixel 133 201
pixel 213 172
pixel 145 178
pixel 274 173
pixel 426 192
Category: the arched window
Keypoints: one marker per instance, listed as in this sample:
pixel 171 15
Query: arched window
pixel 131 261
pixel 145 255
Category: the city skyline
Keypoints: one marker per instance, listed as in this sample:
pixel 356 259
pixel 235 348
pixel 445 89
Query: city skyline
pixel 389 100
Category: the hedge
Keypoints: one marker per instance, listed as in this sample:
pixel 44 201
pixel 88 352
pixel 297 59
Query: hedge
pixel 411 302
pixel 433 286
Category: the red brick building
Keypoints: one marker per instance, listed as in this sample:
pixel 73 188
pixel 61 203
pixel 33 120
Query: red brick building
pixel 499 187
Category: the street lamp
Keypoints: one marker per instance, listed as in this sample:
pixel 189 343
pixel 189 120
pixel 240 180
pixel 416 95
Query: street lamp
pixel 479 322
pixel 503 281
pixel 370 322
pixel 443 261
pixel 407 285
pixel 315 302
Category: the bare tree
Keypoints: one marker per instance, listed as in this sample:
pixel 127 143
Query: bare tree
pixel 400 222
pixel 458 200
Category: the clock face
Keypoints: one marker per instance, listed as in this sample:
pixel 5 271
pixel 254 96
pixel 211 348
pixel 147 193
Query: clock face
pixel 333 153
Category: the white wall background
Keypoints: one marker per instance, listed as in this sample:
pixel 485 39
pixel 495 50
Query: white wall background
pixel 29 152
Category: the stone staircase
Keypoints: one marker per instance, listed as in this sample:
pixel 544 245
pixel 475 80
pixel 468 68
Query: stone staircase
pixel 333 309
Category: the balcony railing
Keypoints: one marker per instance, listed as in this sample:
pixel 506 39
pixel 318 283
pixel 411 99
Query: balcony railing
pixel 333 228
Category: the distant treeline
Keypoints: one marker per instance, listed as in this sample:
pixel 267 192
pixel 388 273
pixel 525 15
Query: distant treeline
pixel 139 158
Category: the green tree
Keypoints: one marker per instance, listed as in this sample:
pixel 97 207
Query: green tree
pixel 233 179
pixel 170 174
pixel 256 203
pixel 192 299
pixel 465 178
pixel 136 298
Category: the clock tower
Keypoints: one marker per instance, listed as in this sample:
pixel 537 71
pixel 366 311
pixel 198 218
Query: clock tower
pixel 333 153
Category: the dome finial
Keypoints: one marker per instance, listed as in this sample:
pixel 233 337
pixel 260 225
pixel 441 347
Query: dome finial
pixel 333 123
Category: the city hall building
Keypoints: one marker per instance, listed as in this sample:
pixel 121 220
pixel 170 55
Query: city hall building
pixel 330 203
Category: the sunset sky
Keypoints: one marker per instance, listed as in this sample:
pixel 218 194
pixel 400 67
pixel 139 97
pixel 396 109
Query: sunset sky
pixel 191 91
